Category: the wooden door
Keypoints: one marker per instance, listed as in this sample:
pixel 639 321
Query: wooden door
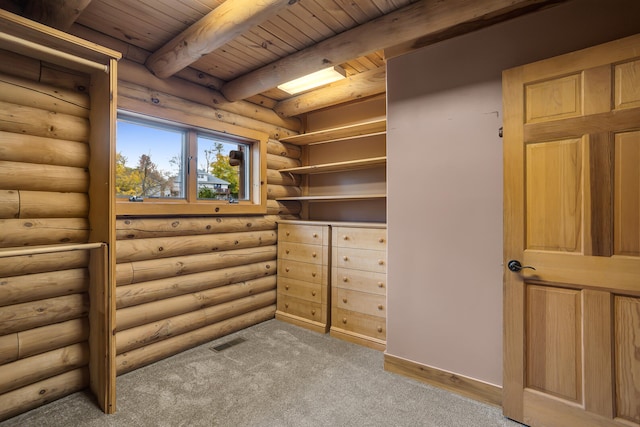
pixel 572 211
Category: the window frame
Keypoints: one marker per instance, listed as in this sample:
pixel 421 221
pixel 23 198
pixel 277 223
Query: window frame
pixel 190 204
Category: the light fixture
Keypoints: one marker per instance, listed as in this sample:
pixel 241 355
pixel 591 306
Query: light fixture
pixel 314 80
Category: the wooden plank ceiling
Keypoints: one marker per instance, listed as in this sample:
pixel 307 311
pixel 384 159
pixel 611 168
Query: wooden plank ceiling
pixel 252 39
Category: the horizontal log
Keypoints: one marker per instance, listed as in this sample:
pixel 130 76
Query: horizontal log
pixel 17 147
pixel 275 207
pixel 283 149
pixel 58 76
pixel 142 335
pixel 140 228
pixel 40 263
pixel 19 65
pixel 9 348
pixel 47 204
pixel 277 191
pixel 35 177
pixel 43 231
pixel 146 101
pixel 43 204
pixel 32 287
pixel 27 371
pixel 49 337
pixel 282 178
pixel 23 399
pixel 29 315
pixel 156 290
pixel 146 355
pixel 138 74
pixel 165 247
pixel 9 204
pixel 143 271
pixel 25 92
pixel 280 162
pixel 34 121
pixel 60 16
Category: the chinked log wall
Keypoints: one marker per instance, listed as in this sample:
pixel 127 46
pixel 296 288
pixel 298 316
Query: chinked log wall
pixel 44 180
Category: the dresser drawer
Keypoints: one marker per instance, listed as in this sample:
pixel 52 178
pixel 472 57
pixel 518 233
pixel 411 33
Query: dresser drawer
pixel 314 273
pixel 312 254
pixel 359 323
pixel 296 233
pixel 304 290
pixel 362 302
pixel 302 308
pixel 359 280
pixel 360 259
pixel 363 238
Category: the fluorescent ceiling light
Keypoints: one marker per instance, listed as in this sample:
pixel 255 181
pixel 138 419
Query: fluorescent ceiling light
pixel 314 80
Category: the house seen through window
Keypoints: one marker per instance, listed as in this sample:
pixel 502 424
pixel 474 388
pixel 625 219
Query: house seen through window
pixel 162 162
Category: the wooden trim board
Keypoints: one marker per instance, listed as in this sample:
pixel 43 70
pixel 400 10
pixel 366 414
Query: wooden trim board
pixel 464 386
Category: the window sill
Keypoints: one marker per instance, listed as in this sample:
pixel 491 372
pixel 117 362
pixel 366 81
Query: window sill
pixel 156 208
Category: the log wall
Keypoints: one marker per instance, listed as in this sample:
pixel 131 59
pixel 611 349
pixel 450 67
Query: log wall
pixel 183 281
pixel 44 182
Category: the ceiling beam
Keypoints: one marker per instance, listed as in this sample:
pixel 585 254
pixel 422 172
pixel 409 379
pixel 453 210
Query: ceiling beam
pixel 413 22
pixel 358 86
pixel 60 14
pixel 218 27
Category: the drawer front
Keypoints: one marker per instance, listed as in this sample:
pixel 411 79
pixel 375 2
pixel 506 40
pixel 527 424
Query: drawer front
pixel 359 280
pixel 304 290
pixel 361 302
pixel 359 323
pixel 314 273
pixel 364 238
pixel 296 233
pixel 298 307
pixel 360 259
pixel 312 254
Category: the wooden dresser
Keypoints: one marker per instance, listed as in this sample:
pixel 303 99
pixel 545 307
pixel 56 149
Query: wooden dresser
pixel 303 274
pixel 359 283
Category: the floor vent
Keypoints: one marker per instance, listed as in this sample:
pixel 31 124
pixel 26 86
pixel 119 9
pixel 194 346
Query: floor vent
pixel 228 344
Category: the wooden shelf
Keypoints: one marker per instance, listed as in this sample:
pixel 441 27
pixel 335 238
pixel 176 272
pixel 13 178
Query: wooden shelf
pixel 334 198
pixel 359 130
pixel 338 166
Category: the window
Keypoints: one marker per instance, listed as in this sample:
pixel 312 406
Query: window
pixel 172 168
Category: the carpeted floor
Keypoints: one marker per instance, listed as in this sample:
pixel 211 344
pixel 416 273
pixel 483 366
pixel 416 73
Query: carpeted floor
pixel 281 375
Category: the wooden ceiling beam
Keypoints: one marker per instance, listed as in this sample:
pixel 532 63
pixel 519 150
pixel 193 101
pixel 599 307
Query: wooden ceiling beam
pixel 221 25
pixel 426 18
pixel 60 14
pixel 358 86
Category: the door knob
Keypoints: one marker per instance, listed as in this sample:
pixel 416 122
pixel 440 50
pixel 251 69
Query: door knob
pixel 515 266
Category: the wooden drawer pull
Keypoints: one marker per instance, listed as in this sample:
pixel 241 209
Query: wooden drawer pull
pixel 315 235
pixel 381 240
pixel 344 320
pixel 379 328
pixel 313 293
pixel 380 307
pixel 380 285
pixel 313 312
pixel 346 237
pixel 346 258
pixel 344 300
pixel 380 262
pixel 286 287
pixel 345 279
pixel 286 269
pixel 286 305
pixel 314 254
pixel 286 251
pixel 287 233
pixel 314 274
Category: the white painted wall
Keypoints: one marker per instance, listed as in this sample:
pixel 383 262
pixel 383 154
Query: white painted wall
pixel 444 175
